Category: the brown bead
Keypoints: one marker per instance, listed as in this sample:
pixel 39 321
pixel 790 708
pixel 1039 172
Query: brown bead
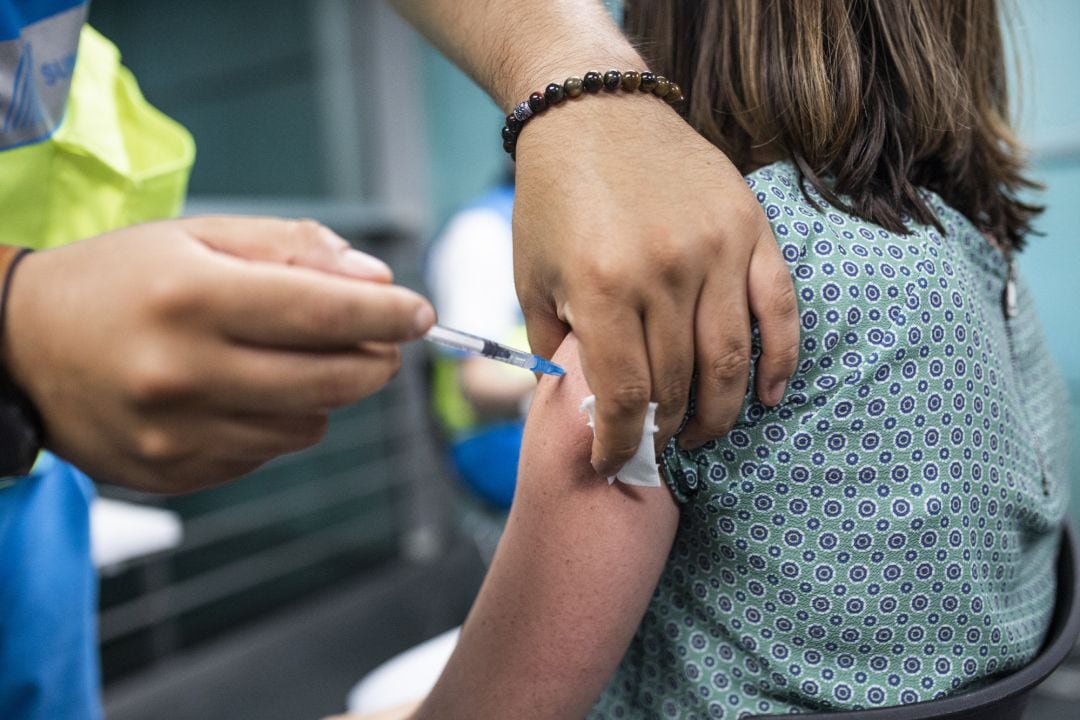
pixel 631 79
pixel 592 82
pixel 663 85
pixel 648 82
pixel 513 123
pixel 537 102
pixel 674 95
pixel 612 80
pixel 553 93
pixel 574 86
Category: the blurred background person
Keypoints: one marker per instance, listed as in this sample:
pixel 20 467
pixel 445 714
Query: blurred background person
pixel 480 404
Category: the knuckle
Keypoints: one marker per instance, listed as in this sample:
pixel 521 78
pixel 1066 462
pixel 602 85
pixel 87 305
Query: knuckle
pixel 673 395
pixel 619 454
pixel 628 398
pixel 310 235
pixel 155 381
pixel 157 446
pixel 731 364
pixel 170 295
pixel 605 277
pixel 669 261
pixel 306 230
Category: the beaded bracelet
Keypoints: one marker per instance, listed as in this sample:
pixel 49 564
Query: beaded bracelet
pixel 592 83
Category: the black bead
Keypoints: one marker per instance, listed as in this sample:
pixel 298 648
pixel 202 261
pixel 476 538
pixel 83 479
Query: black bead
pixel 592 81
pixel 509 145
pixel 508 134
pixel 554 94
pixel 648 82
pixel 513 123
pixel 537 102
pixel 612 80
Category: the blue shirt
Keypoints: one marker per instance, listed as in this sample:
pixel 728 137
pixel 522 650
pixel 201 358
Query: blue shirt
pixel 48 596
pixel 48 589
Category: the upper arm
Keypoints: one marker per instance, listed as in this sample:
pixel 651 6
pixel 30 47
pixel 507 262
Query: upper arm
pixel 570 581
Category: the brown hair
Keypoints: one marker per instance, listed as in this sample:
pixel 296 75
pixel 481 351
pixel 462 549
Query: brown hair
pixel 879 97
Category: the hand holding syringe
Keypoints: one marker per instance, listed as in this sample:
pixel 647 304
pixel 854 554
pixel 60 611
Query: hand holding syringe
pixel 457 340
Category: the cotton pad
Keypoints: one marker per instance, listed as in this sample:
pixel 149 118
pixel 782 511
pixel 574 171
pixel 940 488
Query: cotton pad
pixel 641 469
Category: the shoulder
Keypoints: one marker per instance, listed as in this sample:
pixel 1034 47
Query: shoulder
pixel 859 286
pixel 822 242
pixel 854 280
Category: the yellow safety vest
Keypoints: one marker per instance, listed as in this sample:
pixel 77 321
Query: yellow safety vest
pixel 113 161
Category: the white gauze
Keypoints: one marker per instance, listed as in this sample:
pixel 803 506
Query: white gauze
pixel 641 469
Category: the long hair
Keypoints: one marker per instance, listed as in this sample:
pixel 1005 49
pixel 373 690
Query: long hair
pixel 871 99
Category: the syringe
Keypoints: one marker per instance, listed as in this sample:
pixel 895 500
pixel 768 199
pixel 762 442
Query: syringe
pixel 457 340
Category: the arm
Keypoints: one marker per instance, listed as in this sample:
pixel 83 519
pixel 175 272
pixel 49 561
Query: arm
pixel 570 581
pixel 629 227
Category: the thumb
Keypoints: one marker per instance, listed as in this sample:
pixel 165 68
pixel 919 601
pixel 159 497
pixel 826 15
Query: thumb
pixel 304 243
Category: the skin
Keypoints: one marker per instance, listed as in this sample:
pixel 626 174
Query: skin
pixel 629 228
pixel 570 581
pixel 571 578
pixel 196 350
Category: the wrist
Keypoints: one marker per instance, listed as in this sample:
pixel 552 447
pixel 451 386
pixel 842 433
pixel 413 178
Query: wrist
pixel 16 329
pixel 20 424
pixel 534 74
pixel 604 124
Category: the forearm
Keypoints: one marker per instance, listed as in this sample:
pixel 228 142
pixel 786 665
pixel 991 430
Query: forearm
pixel 511 48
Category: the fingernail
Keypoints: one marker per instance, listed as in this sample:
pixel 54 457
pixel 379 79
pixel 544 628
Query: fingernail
pixel 425 318
pixel 362 265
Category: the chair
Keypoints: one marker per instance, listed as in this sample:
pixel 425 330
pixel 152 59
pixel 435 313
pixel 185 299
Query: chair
pixel 1003 699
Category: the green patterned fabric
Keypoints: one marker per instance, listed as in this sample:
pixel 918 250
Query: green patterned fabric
pixel 887 534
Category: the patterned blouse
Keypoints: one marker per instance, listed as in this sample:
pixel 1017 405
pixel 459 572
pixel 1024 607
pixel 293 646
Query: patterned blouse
pixel 888 533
